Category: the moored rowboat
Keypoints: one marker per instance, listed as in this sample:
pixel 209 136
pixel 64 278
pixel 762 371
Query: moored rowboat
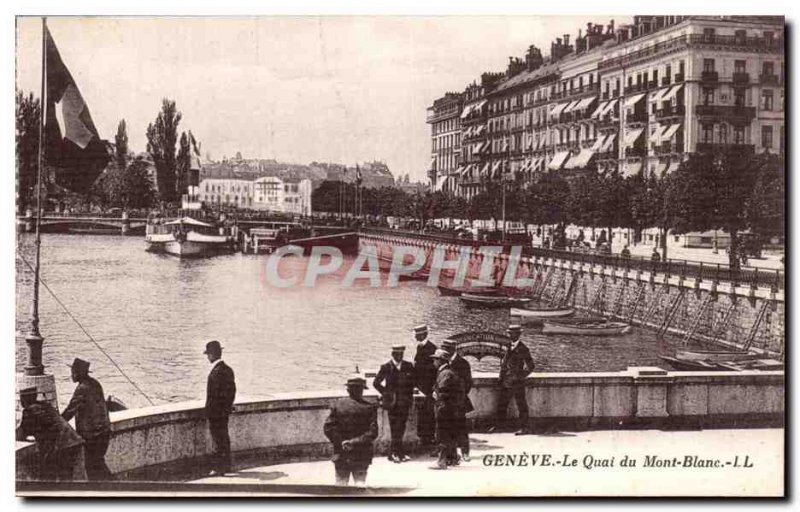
pixel 541 312
pixel 490 301
pixel 455 291
pixel 593 329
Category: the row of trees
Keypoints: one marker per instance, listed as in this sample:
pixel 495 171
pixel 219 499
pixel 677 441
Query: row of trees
pixel 731 191
pixel 126 182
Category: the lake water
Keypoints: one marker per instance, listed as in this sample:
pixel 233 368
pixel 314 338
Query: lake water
pixel 153 314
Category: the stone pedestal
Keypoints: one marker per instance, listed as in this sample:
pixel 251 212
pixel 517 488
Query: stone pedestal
pixel 44 384
pixel 651 391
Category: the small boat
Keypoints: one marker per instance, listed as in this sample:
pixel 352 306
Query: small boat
pixel 691 365
pixel 455 291
pixel 114 404
pixel 592 329
pixel 492 301
pixel 416 276
pixel 555 311
pixel 188 237
pixel 753 364
pixel 715 355
pixel 564 320
pixel 264 239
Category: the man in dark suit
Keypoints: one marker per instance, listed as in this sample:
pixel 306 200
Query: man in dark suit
pixel 58 446
pixel 220 394
pixel 464 371
pixel 88 406
pixel 352 427
pixel 395 383
pixel 449 395
pixel 424 379
pixel 515 367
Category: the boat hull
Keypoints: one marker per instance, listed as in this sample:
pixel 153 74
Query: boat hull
pixel 188 248
pixel 605 329
pixel 489 301
pixel 541 313
pixel 451 291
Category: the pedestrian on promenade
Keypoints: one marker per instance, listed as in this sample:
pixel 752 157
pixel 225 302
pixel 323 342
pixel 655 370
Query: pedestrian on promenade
pixel 449 395
pixel 352 427
pixel 88 406
pixel 626 253
pixel 220 394
pixel 395 383
pixel 655 257
pixel 462 368
pixel 59 448
pixel 424 380
pixel 515 367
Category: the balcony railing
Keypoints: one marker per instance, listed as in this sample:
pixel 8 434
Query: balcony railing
pixel 634 152
pixel 712 147
pixel 607 122
pixel 666 148
pixel 768 79
pixel 639 117
pixel 726 111
pixel 670 111
pixel 741 78
pixel 709 76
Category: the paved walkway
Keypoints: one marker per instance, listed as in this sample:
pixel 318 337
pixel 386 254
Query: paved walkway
pixel 575 464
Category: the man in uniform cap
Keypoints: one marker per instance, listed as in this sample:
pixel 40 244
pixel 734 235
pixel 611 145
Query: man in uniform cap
pixel 395 383
pixel 220 394
pixel 59 448
pixel 88 406
pixel 352 427
pixel 464 371
pixel 515 367
pixel 424 379
pixel 449 395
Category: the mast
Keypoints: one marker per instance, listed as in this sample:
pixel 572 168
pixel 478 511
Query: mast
pixel 34 339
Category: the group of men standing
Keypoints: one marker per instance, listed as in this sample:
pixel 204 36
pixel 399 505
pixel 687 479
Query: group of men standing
pixel 59 446
pixel 444 378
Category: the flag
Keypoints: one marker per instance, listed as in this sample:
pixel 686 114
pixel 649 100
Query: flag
pixel 72 146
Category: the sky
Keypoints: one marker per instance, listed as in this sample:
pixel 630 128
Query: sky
pixel 342 89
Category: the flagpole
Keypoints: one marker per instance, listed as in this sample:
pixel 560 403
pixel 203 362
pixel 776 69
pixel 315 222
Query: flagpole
pixel 34 339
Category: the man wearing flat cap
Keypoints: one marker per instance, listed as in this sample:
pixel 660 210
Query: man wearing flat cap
pixel 395 383
pixel 220 394
pixel 59 448
pixel 515 367
pixel 464 371
pixel 352 427
pixel 88 406
pixel 424 379
pixel 449 395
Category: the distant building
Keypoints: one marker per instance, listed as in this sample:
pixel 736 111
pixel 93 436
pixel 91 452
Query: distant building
pixel 444 118
pixel 225 192
pixel 284 196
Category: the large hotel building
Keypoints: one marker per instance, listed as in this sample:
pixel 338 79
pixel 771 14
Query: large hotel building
pixel 634 98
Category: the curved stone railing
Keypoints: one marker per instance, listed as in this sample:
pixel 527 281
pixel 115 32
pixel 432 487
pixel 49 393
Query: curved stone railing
pixel 171 442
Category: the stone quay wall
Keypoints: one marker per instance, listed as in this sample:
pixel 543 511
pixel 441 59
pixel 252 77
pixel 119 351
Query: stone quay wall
pixel 171 442
pixel 702 309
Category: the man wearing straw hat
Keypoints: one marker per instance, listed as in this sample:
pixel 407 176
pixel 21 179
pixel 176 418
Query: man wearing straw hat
pixel 449 395
pixel 59 448
pixel 424 380
pixel 395 383
pixel 88 406
pixel 352 427
pixel 515 367
pixel 464 371
pixel 220 394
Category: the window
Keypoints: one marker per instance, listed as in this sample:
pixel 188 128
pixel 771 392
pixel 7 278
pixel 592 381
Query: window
pixel 739 66
pixel 740 36
pixel 768 35
pixel 766 137
pixel 766 99
pixel 708 133
pixel 655 75
pixel 738 134
pixel 708 34
pixel 681 67
pixel 767 68
pixel 708 95
pixel 739 97
pixel 708 65
pixel 668 71
pixel 723 133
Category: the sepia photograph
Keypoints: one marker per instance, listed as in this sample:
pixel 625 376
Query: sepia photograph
pixel 363 256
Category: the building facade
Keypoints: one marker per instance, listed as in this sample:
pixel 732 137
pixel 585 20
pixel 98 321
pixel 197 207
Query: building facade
pixel 629 99
pixel 225 192
pixel 285 196
pixel 444 118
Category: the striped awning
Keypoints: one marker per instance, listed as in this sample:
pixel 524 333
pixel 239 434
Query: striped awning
pixel 670 132
pixel 632 136
pixel 599 109
pixel 599 142
pixel 608 143
pixel 633 100
pixel 609 107
pixel 580 160
pixel 558 160
pixel 655 96
pixel 485 169
pixel 585 103
pixel 672 92
pixel 656 136
pixel 571 106
pixel 673 166
pixel 557 109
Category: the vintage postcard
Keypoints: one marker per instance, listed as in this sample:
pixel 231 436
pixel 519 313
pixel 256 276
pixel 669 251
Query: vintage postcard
pixel 368 256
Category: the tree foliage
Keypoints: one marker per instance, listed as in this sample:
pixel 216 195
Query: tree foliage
pixel 121 145
pixel 28 113
pixel 162 136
